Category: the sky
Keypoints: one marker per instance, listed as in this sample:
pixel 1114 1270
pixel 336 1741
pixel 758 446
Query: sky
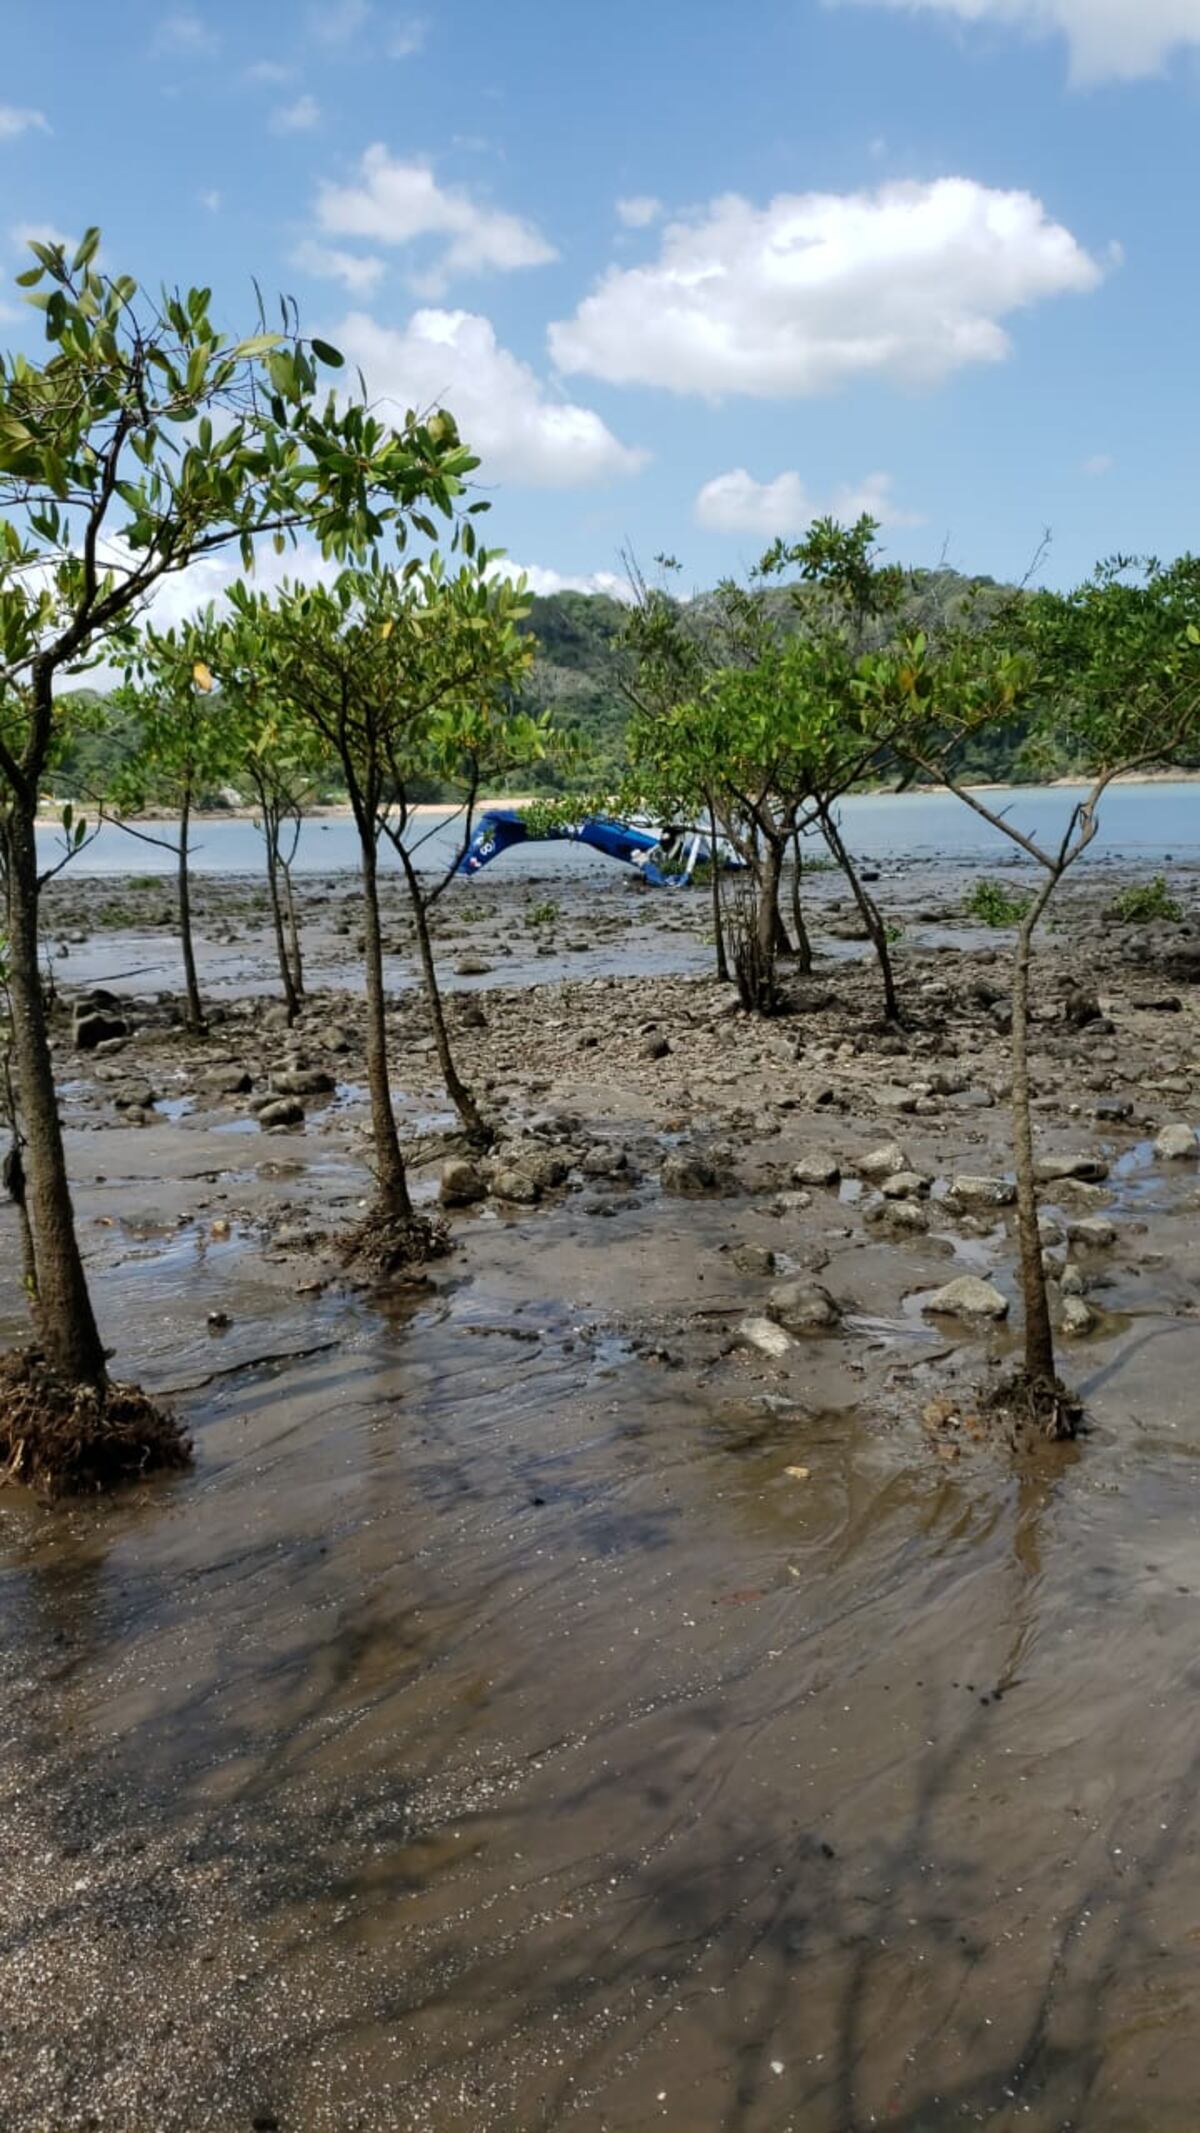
pixel 687 275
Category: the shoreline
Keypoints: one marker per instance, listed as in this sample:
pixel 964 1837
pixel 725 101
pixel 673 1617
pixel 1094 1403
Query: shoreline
pixel 341 811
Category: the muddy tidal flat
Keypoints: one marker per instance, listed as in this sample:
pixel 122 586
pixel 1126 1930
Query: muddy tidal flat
pixel 606 1686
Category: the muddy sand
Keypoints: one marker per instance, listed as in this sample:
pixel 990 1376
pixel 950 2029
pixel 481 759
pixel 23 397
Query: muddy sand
pixel 561 1695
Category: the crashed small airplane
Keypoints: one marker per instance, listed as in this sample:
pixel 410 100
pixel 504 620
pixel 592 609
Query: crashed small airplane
pixel 666 860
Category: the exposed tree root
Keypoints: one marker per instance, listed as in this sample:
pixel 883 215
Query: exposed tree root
pixel 1036 1410
pixel 66 1439
pixel 386 1246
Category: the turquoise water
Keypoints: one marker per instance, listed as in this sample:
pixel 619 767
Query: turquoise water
pixel 1153 823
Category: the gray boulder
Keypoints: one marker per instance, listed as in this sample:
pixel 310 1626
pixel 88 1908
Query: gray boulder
pixel 1177 1144
pixel 803 1307
pixel 967 1297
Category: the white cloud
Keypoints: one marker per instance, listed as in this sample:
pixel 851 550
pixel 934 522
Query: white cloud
pixel 736 503
pixel 268 72
pixel 8 315
pixel 638 210
pixel 1099 463
pixel 1121 39
pixel 16 119
pixel 299 117
pixel 503 409
pixel 337 21
pixel 408 37
pixel 211 199
pixel 27 233
pixel 184 593
pixel 909 282
pixel 186 34
pixel 359 272
pixel 546 581
pixel 396 202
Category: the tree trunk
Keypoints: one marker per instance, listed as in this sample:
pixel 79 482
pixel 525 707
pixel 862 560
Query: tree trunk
pixel 769 921
pixel 391 1180
pixel 1039 1339
pixel 293 930
pixel 66 1322
pixel 718 915
pixel 195 1006
pixel 456 1089
pixel 270 833
pixel 870 914
pixel 804 954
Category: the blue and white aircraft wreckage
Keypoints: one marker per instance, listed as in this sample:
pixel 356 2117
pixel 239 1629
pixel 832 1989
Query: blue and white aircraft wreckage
pixel 666 859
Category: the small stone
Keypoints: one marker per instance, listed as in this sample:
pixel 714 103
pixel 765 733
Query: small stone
pixel 461 1184
pixel 761 1334
pixel 690 1175
pixel 228 1081
pixel 1177 1143
pixel 968 1297
pixel 1095 1231
pixel 286 1112
pixel 653 1048
pixel 1089 1167
pixel 820 1167
pixel 516 1185
pixel 753 1259
pixel 1113 1109
pixel 303 1081
pixel 803 1307
pixel 471 966
pixel 904 1216
pixel 904 1185
pixel 604 1161
pixel 1071 1280
pixel 983 1192
pixel 1075 1317
pixel 880 1163
pixel 96 1027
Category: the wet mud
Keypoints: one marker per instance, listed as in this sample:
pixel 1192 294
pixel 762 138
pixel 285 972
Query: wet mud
pixel 542 1706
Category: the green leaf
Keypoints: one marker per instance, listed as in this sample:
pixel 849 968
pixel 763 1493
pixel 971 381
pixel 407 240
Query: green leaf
pixel 325 353
pixel 89 245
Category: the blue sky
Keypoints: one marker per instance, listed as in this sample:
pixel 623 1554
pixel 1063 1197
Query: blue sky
pixel 686 274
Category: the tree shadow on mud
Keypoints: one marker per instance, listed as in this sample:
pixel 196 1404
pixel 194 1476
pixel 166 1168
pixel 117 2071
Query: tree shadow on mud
pixel 528 1941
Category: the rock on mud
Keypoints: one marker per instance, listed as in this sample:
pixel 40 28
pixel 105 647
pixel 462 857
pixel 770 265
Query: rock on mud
pixel 967 1297
pixel 768 1338
pixel 691 1175
pixel 461 1184
pixel 287 1112
pixel 1177 1144
pixel 1091 1168
pixel 95 1026
pixel 983 1192
pixel 879 1164
pixel 1075 1317
pixel 517 1186
pixel 819 1167
pixel 803 1307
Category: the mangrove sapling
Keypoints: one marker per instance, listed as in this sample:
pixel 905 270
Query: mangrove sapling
pixel 1113 668
pixel 452 661
pixel 281 756
pixel 181 750
pixel 143 441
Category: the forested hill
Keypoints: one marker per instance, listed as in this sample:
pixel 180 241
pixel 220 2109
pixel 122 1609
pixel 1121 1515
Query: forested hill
pixel 577 674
